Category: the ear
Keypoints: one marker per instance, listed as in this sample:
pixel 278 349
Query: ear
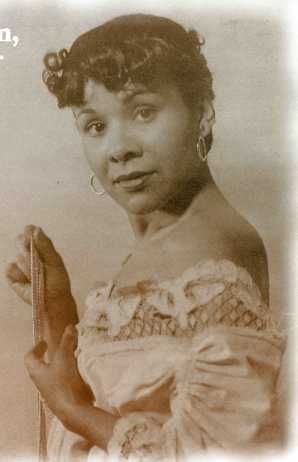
pixel 207 118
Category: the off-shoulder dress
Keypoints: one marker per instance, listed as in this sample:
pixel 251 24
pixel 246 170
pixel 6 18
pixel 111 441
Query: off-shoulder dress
pixel 188 365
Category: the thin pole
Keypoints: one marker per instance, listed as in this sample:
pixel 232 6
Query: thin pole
pixel 38 309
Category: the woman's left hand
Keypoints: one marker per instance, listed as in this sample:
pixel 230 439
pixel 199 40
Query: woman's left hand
pixel 59 381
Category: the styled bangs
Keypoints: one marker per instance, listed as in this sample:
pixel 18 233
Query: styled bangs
pixel 150 61
pixel 137 48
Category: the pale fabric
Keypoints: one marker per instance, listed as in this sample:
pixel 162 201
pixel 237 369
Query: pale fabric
pixel 188 365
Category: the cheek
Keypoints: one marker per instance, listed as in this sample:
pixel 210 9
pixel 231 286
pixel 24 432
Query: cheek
pixel 95 159
pixel 175 145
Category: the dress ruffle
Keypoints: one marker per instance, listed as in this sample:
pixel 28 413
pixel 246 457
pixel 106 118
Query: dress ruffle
pixel 187 364
pixel 180 306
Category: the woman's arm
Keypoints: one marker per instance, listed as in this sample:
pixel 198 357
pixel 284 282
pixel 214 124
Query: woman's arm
pixel 66 394
pixel 92 423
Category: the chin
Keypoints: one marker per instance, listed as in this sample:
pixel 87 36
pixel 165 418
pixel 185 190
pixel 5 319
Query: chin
pixel 140 204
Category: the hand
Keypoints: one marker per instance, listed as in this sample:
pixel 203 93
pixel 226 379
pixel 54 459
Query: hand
pixel 59 381
pixel 57 284
pixel 66 394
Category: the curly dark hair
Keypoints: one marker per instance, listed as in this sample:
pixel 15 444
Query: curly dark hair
pixel 141 48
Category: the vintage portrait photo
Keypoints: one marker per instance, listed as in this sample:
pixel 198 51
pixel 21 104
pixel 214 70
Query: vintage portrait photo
pixel 148 230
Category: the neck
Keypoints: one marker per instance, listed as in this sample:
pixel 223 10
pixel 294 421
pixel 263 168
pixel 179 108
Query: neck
pixel 194 195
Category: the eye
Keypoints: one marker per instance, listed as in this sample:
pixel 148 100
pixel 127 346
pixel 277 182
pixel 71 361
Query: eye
pixel 95 128
pixel 145 113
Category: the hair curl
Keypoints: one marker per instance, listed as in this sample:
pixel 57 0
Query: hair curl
pixel 139 48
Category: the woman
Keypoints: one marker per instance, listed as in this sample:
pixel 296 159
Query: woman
pixel 178 353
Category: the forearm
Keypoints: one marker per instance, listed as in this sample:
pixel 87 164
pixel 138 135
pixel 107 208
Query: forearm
pixel 58 315
pixel 90 422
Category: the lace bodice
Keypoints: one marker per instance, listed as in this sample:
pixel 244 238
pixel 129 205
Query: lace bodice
pixel 209 294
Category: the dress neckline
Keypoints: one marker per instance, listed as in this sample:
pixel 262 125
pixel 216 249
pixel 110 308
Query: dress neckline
pixel 176 297
pixel 221 268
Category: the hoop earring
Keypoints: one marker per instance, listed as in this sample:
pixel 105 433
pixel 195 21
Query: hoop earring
pixel 93 189
pixel 201 149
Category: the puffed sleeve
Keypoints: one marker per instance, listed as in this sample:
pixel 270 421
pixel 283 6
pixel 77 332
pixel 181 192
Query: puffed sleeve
pixel 224 391
pixel 224 388
pixel 222 397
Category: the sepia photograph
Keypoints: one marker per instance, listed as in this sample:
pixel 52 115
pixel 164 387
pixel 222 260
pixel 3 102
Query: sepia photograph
pixel 148 180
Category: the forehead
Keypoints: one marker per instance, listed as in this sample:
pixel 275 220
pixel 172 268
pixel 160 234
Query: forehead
pixel 95 92
pixel 128 90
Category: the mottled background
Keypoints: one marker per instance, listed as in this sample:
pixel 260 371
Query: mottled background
pixel 44 177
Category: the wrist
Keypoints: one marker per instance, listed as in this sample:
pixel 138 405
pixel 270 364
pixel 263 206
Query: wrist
pixel 90 422
pixel 69 414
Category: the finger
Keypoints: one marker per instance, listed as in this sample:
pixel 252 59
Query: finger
pixel 23 291
pixel 45 248
pixel 43 244
pixel 23 258
pixel 18 282
pixel 23 242
pixel 34 361
pixel 24 265
pixel 68 342
pixel 14 274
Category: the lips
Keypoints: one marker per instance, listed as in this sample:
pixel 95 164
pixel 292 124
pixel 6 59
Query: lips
pixel 134 181
pixel 131 176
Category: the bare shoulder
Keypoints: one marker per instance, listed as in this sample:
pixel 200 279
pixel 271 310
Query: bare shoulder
pixel 227 235
pixel 224 236
pixel 247 250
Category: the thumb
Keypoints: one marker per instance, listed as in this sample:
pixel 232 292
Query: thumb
pixel 68 341
pixel 34 358
pixel 45 248
pixel 39 349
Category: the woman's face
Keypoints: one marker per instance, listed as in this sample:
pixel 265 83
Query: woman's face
pixel 140 143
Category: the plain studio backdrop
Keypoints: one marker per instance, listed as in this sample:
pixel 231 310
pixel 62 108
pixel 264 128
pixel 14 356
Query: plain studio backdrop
pixel 44 176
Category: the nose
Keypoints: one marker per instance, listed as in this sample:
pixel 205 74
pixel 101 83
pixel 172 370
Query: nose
pixel 123 146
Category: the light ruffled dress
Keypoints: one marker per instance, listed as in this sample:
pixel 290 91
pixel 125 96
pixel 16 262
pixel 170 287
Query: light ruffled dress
pixel 188 365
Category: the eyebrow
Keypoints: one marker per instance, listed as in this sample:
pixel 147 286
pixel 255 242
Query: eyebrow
pixel 130 94
pixel 84 111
